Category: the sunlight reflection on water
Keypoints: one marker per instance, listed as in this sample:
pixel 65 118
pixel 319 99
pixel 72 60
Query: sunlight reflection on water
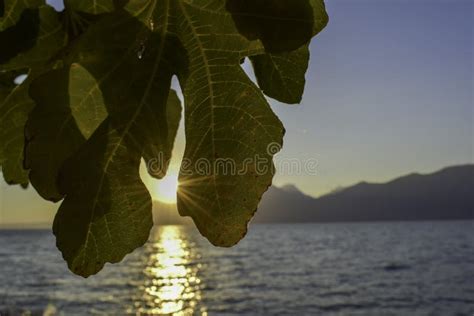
pixel 172 284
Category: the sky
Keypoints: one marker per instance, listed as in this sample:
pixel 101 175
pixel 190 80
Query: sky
pixel 389 92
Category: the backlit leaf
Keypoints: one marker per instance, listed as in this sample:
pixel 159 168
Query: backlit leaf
pixel 63 119
pixel 32 42
pixel 91 6
pixel 107 210
pixel 282 76
pixel 13 9
pixel 30 34
pixel 14 112
pixel 103 103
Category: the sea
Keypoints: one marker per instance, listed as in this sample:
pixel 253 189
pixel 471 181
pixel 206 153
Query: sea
pixel 384 268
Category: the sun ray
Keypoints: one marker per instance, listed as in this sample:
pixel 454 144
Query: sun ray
pixel 164 190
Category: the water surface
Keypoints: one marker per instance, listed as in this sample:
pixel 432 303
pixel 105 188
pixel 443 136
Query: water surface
pixel 306 269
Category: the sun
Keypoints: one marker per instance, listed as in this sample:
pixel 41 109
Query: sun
pixel 167 188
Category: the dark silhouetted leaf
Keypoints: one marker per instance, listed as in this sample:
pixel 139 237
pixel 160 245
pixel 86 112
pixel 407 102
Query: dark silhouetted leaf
pixel 30 43
pixel 107 210
pixel 91 6
pixel 282 76
pixel 227 118
pixel 7 83
pixel 36 37
pixel 281 25
pixel 14 112
pixel 111 216
pixel 63 119
pixel 26 29
pixel 13 9
pixel 103 103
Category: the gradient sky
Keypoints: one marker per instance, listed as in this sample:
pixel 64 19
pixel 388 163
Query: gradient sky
pixel 389 92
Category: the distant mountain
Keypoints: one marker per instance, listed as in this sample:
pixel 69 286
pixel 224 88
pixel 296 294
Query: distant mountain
pixel 446 194
pixel 443 195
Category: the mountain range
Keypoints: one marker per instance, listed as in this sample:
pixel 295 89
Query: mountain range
pixel 447 194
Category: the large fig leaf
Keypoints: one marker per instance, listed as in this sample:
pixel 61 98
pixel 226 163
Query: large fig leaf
pixel 227 119
pixel 7 83
pixel 105 103
pixel 31 42
pixel 13 114
pixel 90 6
pixel 30 35
pixel 107 209
pixel 13 9
pixel 62 120
pixel 281 76
pixel 229 124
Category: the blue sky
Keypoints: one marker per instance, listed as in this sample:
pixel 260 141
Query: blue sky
pixel 389 92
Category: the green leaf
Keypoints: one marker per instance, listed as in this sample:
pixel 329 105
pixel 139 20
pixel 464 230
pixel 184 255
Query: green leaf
pixel 158 166
pixel 62 120
pixel 106 104
pixel 22 36
pixel 107 210
pixel 32 34
pixel 90 6
pixel 227 119
pixel 14 112
pixel 32 42
pixel 13 9
pixel 141 123
pixel 110 216
pixel 7 83
pixel 282 76
pixel 280 25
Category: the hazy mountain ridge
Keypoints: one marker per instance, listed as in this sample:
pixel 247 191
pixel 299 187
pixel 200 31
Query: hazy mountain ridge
pixel 445 194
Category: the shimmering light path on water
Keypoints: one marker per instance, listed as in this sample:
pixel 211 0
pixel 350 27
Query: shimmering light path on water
pixel 172 283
